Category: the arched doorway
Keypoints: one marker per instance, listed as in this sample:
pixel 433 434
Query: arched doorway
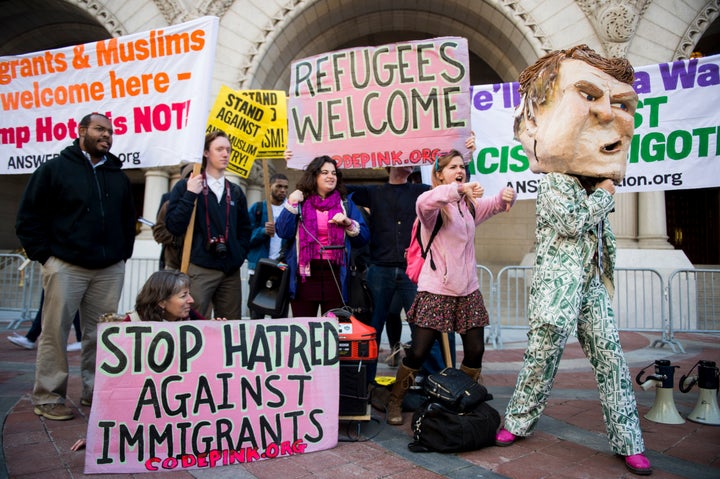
pixel 693 216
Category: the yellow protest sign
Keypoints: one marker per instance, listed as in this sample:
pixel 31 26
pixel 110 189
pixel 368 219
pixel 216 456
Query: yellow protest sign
pixel 244 120
pixel 275 142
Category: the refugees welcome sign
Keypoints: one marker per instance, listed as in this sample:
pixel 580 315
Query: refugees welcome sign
pixel 203 394
pixel 373 107
pixel 154 86
pixel 677 132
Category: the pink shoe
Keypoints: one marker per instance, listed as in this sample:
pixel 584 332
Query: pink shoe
pixel 638 464
pixel 504 438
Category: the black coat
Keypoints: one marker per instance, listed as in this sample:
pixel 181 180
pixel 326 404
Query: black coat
pixel 78 214
pixel 177 220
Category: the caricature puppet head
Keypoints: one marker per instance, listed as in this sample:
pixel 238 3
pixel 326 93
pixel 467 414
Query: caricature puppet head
pixel 576 114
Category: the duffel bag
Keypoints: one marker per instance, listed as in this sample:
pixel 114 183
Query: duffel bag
pixel 438 429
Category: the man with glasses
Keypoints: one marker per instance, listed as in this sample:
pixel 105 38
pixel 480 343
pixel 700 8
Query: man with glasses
pixel 76 218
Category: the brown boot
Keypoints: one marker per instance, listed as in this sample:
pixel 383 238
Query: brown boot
pixel 403 380
pixel 474 373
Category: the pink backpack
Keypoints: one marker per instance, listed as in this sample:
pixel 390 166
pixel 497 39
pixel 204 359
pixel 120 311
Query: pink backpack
pixel 415 254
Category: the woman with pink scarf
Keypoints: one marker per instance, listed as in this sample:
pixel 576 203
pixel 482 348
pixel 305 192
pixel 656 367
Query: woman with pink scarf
pixel 324 226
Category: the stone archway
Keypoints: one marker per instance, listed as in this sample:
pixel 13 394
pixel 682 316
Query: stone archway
pixel 503 37
pixel 34 25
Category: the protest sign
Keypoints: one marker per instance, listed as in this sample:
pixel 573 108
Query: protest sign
pixel 154 86
pixel 371 107
pixel 275 141
pixel 243 119
pixel 677 132
pixel 203 394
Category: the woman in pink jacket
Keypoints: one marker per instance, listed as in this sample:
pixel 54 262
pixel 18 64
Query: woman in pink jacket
pixel 448 298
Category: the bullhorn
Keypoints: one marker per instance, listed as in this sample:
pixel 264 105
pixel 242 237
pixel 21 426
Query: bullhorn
pixel 663 409
pixel 706 410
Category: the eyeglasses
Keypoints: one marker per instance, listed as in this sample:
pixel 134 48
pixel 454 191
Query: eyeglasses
pixel 102 130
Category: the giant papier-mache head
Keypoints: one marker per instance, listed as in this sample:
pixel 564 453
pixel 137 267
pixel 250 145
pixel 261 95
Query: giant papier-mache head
pixel 577 113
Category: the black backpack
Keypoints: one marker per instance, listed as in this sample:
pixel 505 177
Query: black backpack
pixel 455 390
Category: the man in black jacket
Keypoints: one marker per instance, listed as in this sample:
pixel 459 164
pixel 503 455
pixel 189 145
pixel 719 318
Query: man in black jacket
pixel 392 208
pixel 221 233
pixel 77 219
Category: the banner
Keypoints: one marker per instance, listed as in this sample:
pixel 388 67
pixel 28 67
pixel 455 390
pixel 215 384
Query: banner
pixel 371 107
pixel 242 118
pixel 676 143
pixel 203 394
pixel 154 86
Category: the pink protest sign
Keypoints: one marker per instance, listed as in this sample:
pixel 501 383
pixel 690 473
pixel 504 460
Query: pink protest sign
pixel 204 394
pixel 373 107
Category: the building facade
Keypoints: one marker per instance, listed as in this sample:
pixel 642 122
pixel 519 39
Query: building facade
pixel 258 40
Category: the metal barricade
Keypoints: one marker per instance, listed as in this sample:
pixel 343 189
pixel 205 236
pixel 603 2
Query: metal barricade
pixel 511 300
pixel 638 302
pixel 690 302
pixel 487 288
pixel 20 286
pixel 138 270
pixel 693 301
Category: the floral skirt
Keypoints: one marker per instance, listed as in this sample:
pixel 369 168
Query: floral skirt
pixel 448 313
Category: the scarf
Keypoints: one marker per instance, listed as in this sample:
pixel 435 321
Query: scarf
pixel 308 246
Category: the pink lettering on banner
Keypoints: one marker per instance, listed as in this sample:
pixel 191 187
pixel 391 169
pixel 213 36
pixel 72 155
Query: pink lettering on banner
pixel 204 394
pixel 161 117
pixel 395 98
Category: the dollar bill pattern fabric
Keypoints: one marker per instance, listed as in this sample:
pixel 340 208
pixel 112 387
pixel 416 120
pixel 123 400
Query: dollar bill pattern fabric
pixel 570 293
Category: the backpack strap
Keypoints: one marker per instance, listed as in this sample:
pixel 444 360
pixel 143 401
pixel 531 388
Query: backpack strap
pixel 424 251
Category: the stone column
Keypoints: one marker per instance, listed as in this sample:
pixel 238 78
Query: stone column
pixel 624 220
pixel 652 224
pixel 156 183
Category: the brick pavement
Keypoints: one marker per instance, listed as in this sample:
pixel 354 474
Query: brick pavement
pixel 569 442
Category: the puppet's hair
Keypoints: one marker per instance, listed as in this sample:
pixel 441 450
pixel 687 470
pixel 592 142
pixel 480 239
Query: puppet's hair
pixel 538 80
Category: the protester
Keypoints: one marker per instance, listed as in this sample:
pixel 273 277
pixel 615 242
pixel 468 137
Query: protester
pixel 76 218
pixel 448 297
pixel 28 341
pixel 390 233
pixel 165 296
pixel 264 243
pixel 576 124
pixel 221 233
pixel 323 227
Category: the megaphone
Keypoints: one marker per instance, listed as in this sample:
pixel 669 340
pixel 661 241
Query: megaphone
pixel 663 409
pixel 706 410
pixel 269 289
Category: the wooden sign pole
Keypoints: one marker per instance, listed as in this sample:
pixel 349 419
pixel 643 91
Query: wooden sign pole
pixel 266 180
pixel 187 243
